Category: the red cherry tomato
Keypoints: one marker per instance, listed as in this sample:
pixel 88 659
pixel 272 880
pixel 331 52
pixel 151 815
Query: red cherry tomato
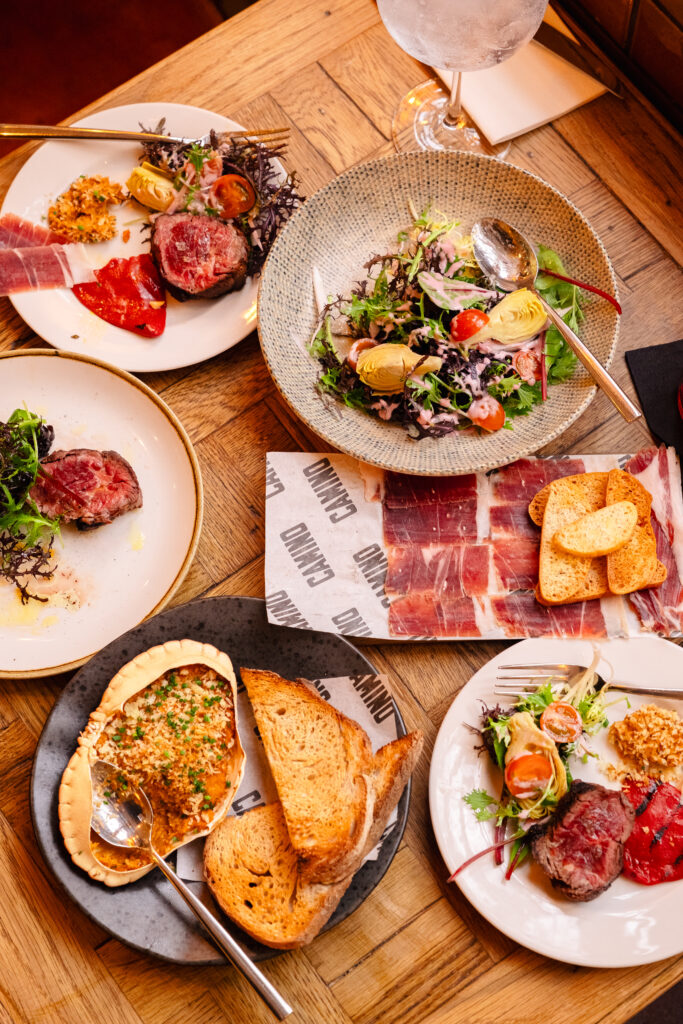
pixel 487 412
pixel 528 366
pixel 233 195
pixel 528 775
pixel 467 323
pixel 561 722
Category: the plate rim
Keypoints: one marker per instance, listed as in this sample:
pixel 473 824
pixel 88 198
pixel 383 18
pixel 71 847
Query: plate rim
pixel 440 740
pixel 82 121
pixel 591 389
pixel 269 952
pixel 198 492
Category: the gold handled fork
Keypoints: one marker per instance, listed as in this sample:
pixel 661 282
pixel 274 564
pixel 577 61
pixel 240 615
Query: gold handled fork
pixel 43 131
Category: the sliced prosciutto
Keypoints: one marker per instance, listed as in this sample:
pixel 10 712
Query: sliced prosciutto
pixel 520 614
pixel 448 570
pixel 516 562
pixel 517 483
pixel 43 266
pixel 16 233
pixel 129 294
pixel 431 524
pixel 425 614
pixel 402 491
pixel 654 851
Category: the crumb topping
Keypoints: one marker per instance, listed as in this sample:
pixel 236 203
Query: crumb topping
pixel 651 738
pixel 174 739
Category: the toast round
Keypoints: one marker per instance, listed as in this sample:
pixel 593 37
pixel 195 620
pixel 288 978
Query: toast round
pixel 75 791
pixel 599 533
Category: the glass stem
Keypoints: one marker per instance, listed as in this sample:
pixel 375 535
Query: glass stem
pixel 454 112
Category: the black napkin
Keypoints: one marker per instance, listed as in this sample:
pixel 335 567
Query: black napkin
pixel 657 373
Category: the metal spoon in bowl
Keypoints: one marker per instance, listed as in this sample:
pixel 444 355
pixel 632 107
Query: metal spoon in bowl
pixel 510 262
pixel 125 819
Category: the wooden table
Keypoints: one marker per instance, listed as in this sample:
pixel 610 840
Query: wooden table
pixel 416 951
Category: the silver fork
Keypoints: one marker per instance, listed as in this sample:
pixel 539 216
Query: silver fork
pixel 44 131
pixel 511 685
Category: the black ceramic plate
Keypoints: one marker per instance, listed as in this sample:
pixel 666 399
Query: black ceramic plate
pixel 148 914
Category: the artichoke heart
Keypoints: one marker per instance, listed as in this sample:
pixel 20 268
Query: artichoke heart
pixel 386 368
pixel 151 188
pixel 517 317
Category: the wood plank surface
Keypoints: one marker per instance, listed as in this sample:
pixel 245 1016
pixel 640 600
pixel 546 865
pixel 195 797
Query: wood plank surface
pixel 415 951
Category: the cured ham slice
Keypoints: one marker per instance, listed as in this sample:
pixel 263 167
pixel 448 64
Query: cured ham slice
pixel 520 614
pixel 519 482
pixel 516 562
pixel 425 614
pixel 447 570
pixel 431 524
pixel 401 490
pixel 16 233
pixel 513 520
pixel 43 266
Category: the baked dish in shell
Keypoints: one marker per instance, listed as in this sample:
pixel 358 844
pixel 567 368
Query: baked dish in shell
pixel 168 719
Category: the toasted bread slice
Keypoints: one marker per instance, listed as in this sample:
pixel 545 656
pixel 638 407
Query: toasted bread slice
pixel 599 533
pixel 659 576
pixel 321 762
pixel 594 484
pixel 253 872
pixel 560 575
pixel 336 794
pixel 594 586
pixel 392 766
pixel 635 564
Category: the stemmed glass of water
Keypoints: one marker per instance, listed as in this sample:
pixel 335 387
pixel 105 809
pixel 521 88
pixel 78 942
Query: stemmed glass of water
pixel 459 35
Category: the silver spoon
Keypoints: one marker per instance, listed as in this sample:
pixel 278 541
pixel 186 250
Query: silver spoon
pixel 123 817
pixel 507 258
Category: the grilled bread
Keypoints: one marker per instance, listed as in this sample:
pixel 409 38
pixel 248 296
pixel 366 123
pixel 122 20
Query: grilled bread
pixel 336 795
pixel 253 872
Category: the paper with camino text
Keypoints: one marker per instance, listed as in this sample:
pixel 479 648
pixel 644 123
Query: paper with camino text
pixel 365 698
pixel 329 556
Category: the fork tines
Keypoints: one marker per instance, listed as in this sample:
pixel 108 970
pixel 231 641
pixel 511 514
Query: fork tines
pixel 280 135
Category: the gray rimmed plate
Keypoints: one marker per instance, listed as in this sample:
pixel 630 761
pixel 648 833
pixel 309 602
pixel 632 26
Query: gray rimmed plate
pixel 147 914
pixel 360 214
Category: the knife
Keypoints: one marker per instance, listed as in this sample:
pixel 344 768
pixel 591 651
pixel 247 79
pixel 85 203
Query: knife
pixel 578 56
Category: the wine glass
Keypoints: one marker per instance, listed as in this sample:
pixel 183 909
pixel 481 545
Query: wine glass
pixel 460 35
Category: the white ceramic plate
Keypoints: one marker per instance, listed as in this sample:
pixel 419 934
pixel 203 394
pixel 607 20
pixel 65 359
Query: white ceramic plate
pixel 195 330
pixel 627 925
pixel 126 570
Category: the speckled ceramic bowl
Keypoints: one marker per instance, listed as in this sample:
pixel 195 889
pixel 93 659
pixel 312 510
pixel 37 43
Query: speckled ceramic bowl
pixel 359 214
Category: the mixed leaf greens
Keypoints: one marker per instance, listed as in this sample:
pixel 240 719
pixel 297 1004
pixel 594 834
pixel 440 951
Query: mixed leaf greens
pixel 26 535
pixel 397 304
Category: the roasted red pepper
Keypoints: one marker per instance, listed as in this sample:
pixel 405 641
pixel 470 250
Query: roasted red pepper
pixel 129 294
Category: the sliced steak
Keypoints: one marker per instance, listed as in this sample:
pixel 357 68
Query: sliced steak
pixel 581 848
pixel 199 257
pixel 87 487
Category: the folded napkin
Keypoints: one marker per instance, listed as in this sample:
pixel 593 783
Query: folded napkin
pixel 657 373
pixel 531 88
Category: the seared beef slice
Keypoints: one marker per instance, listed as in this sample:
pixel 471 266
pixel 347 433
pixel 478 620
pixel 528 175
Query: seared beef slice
pixel 581 848
pixel 199 257
pixel 86 486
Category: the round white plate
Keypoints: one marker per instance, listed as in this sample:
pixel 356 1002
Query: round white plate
pixel 195 330
pixel 627 925
pixel 129 569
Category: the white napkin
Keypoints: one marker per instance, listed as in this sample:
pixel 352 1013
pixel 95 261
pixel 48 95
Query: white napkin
pixel 531 88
